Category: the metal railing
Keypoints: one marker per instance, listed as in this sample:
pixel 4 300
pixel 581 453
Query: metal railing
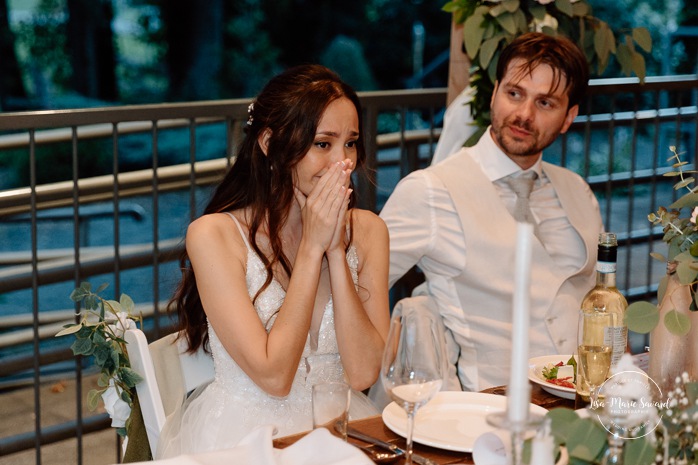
pixel 164 159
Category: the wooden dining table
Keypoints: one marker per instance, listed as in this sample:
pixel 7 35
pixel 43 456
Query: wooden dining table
pixel 374 426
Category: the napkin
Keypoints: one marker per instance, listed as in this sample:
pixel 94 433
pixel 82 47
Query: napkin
pixel 492 448
pixel 318 447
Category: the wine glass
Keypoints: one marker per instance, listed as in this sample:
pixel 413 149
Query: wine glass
pixel 595 342
pixel 414 362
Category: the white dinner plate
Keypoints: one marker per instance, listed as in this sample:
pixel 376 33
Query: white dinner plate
pixel 535 374
pixel 452 420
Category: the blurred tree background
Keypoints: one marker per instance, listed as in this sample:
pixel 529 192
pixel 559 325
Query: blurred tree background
pixel 81 53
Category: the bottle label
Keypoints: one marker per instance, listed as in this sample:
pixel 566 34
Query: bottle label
pixel 619 336
pixel 606 267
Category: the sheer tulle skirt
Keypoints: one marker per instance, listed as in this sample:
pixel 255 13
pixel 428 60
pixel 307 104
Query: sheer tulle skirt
pixel 211 418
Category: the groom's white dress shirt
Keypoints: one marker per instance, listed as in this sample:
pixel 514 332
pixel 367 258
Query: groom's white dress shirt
pixel 454 221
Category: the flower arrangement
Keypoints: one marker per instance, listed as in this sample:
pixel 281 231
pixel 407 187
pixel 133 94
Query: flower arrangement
pixel 681 236
pixel 679 442
pixel 100 334
pixel 674 440
pixel 489 25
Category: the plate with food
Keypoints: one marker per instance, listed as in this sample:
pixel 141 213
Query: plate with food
pixel 555 374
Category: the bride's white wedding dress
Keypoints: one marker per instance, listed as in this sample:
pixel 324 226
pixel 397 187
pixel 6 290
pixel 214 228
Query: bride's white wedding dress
pixel 219 414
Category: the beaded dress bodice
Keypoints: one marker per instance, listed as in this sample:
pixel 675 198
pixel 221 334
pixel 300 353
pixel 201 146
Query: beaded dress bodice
pixel 319 365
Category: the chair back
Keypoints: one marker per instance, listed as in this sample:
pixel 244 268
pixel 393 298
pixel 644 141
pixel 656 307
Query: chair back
pixel 169 373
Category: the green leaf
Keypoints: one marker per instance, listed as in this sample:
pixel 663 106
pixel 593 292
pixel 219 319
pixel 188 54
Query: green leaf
pixel 91 302
pixel 642 37
pixel 639 66
pixel 129 377
pixel 127 303
pixel 684 270
pixel 521 22
pixel 586 440
pixel 508 22
pixel 689 200
pixel 101 287
pixel 103 380
pixel 77 295
pixel 488 48
pixel 498 9
pixel 82 347
pixel 114 358
pixel 450 7
pixel 661 289
pixel 537 11
pixel 625 60
pixel 113 306
pixel 98 337
pixel 84 333
pixel 562 423
pixel 102 354
pixel 677 323
pixel 472 140
pixel 565 6
pixel 658 256
pixel 473 31
pixel 642 317
pixel 684 183
pixel 69 329
pixel 549 31
pixel 85 286
pixel 602 38
pixel 639 451
pixel 511 5
pixel 93 399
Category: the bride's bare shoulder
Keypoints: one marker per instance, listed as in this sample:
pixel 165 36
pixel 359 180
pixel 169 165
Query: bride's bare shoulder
pixel 368 226
pixel 215 228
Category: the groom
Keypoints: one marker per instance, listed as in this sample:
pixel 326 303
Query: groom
pixel 456 219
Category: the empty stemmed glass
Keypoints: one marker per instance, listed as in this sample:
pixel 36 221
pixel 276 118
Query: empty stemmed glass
pixel 414 362
pixel 595 342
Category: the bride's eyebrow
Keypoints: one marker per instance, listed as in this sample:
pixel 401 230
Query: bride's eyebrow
pixel 335 134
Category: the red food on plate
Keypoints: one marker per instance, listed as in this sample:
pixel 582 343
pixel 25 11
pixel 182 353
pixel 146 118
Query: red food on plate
pixel 564 382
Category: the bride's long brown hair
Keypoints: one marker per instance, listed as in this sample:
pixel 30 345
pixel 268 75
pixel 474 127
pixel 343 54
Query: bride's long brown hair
pixel 291 106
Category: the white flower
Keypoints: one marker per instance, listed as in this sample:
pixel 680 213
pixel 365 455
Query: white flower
pixel 117 409
pixel 121 324
pixel 548 21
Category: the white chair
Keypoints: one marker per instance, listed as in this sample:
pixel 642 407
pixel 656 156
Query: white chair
pixel 169 374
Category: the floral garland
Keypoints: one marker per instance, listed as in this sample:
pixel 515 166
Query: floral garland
pixel 100 334
pixel 490 25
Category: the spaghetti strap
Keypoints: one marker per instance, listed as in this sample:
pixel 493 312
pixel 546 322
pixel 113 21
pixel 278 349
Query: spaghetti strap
pixel 242 233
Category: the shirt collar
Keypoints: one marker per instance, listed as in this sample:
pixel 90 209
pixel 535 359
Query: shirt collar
pixel 494 162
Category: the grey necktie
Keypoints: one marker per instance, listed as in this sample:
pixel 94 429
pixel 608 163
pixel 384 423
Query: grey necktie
pixel 522 185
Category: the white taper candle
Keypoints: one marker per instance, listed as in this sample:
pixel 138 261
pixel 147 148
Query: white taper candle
pixel 519 391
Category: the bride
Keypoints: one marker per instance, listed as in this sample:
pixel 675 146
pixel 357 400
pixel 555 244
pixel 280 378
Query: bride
pixel 283 280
